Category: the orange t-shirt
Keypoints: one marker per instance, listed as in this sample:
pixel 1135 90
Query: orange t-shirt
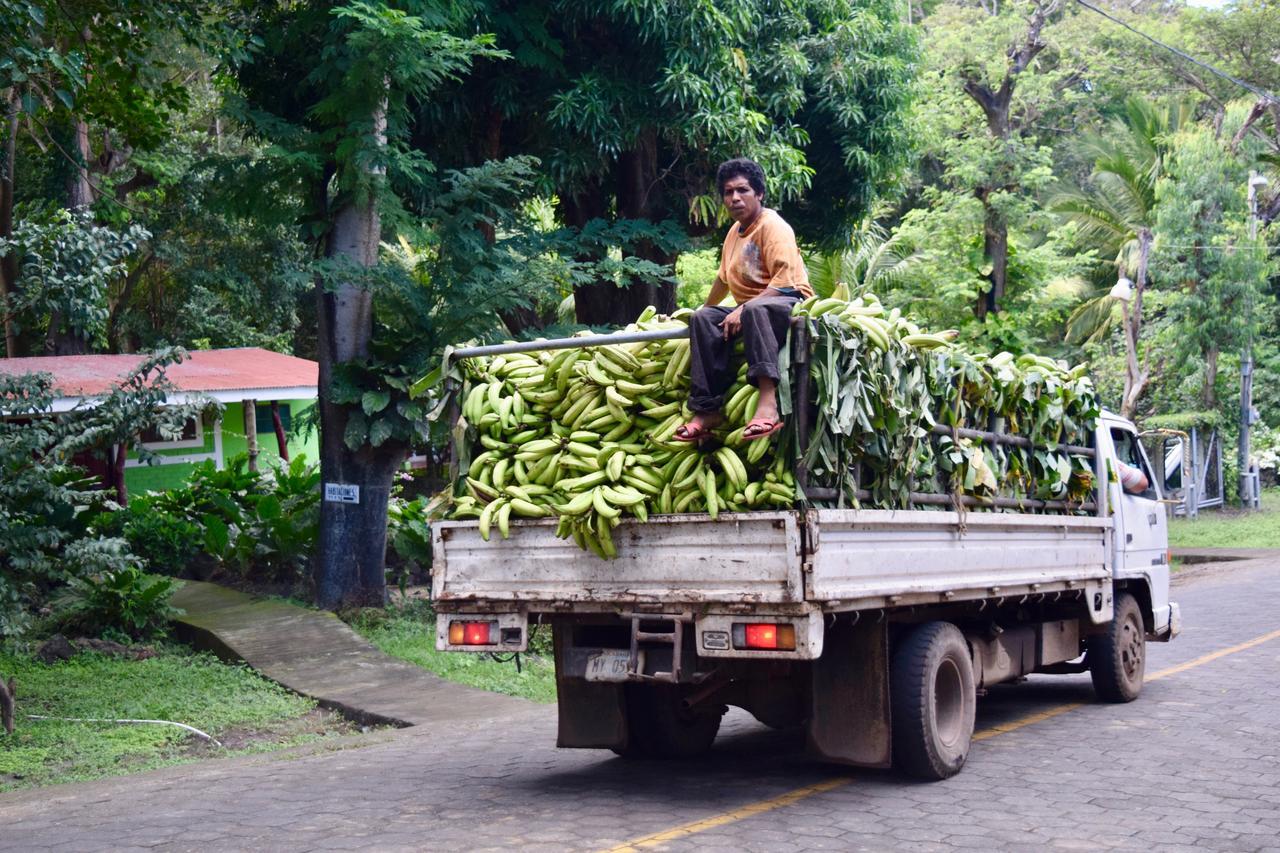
pixel 765 256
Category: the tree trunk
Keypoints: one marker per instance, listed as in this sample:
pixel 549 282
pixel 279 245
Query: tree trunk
pixel 79 190
pixel 639 196
pixel 282 444
pixel 591 302
pixel 9 263
pixel 249 412
pixel 79 197
pixel 351 553
pixel 1136 377
pixel 995 244
pixel 1209 387
pixel 995 105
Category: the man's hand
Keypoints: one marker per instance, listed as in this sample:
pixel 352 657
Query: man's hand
pixel 732 323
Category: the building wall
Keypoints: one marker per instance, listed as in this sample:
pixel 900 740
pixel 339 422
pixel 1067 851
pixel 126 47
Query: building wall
pixel 159 477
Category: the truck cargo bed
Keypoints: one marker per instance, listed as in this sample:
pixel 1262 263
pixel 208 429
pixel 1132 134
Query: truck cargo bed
pixel 740 557
pixel 836 559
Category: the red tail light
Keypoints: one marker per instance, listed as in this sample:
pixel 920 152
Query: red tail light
pixel 473 633
pixel 765 635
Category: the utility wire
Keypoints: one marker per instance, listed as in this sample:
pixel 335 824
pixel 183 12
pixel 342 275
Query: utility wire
pixel 1261 93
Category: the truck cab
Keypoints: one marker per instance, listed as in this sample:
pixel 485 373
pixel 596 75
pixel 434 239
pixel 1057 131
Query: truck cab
pixel 1140 540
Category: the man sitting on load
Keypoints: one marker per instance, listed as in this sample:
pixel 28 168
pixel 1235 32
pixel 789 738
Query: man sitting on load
pixel 761 266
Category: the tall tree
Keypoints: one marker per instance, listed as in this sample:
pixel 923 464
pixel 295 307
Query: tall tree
pixel 630 104
pixel 996 100
pixel 1114 213
pixel 332 85
pixel 87 82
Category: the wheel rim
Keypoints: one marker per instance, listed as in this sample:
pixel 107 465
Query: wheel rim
pixel 1131 649
pixel 948 703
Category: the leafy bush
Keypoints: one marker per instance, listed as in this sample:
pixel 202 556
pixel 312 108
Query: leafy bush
pixel 262 524
pixel 47 503
pixel 124 602
pixel 164 543
pixel 409 536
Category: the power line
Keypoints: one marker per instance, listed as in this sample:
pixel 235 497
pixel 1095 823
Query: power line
pixel 1261 93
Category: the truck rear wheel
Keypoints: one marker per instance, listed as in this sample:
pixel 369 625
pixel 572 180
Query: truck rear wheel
pixel 659 726
pixel 933 701
pixel 1117 659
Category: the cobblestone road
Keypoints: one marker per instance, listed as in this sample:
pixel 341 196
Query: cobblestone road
pixel 1194 764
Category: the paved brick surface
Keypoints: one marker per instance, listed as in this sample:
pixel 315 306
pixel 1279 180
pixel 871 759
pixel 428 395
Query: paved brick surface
pixel 1194 764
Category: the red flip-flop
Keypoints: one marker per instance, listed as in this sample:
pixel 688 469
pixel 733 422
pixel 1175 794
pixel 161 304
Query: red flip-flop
pixel 764 429
pixel 691 432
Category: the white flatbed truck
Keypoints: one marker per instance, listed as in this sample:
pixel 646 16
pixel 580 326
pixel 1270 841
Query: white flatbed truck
pixel 875 630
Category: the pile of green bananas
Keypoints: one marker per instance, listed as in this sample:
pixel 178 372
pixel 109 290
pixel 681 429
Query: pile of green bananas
pixel 867 316
pixel 585 435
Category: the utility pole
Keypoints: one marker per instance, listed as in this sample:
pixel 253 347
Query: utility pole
pixel 1249 484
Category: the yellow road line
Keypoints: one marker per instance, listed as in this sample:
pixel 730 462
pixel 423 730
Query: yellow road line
pixel 1203 659
pixel 762 806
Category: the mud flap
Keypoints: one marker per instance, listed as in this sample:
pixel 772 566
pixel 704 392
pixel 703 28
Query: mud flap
pixel 849 716
pixel 592 715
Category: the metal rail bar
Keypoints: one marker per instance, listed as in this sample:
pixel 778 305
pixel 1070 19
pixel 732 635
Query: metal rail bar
pixel 930 499
pixel 1010 440
pixel 568 343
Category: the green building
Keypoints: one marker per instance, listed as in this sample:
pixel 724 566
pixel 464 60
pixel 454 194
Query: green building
pixel 276 390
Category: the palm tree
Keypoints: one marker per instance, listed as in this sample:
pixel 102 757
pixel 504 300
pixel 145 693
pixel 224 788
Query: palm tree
pixel 875 260
pixel 1115 212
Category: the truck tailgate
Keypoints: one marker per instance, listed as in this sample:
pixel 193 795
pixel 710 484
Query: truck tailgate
pixel 878 557
pixel 670 559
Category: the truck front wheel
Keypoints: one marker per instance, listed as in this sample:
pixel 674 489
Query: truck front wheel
pixel 659 726
pixel 933 701
pixel 1117 658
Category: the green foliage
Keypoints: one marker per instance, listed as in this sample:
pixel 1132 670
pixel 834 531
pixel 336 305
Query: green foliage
pixel 1230 528
pixel 97 58
pixel 1183 421
pixel 175 684
pixel 696 272
pixel 125 602
pixel 47 503
pixel 163 543
pixel 66 263
pixel 262 525
pixel 409 534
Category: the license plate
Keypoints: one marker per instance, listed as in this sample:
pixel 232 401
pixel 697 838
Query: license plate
pixel 610 665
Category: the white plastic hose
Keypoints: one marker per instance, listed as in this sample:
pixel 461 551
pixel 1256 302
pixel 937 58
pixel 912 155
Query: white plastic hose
pixel 191 729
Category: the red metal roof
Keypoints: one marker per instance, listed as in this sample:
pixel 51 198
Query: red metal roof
pixel 248 369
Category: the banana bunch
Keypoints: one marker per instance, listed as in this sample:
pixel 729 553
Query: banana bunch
pixel 879 328
pixel 585 435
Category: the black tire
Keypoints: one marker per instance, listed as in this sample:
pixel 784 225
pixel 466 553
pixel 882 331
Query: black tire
pixel 1117 658
pixel 658 726
pixel 933 701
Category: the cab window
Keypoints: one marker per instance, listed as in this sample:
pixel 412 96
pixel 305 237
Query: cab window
pixel 1129 451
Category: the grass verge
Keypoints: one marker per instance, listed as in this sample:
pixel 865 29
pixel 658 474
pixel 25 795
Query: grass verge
pixel 408 632
pixel 1231 528
pixel 234 704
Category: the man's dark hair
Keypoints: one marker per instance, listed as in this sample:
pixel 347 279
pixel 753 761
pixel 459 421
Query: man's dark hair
pixel 740 167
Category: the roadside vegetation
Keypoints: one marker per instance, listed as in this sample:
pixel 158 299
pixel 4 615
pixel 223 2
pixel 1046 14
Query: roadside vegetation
pixel 407 632
pixel 235 705
pixel 1231 528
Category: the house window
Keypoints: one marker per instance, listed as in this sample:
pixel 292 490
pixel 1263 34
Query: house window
pixel 263 417
pixel 192 436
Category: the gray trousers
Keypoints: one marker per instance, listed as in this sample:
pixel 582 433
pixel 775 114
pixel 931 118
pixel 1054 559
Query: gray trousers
pixel 764 330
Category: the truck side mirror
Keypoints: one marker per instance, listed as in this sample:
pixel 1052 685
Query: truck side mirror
pixel 1173 451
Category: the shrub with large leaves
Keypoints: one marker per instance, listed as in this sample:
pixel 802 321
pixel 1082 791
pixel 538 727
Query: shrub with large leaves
pixel 47 502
